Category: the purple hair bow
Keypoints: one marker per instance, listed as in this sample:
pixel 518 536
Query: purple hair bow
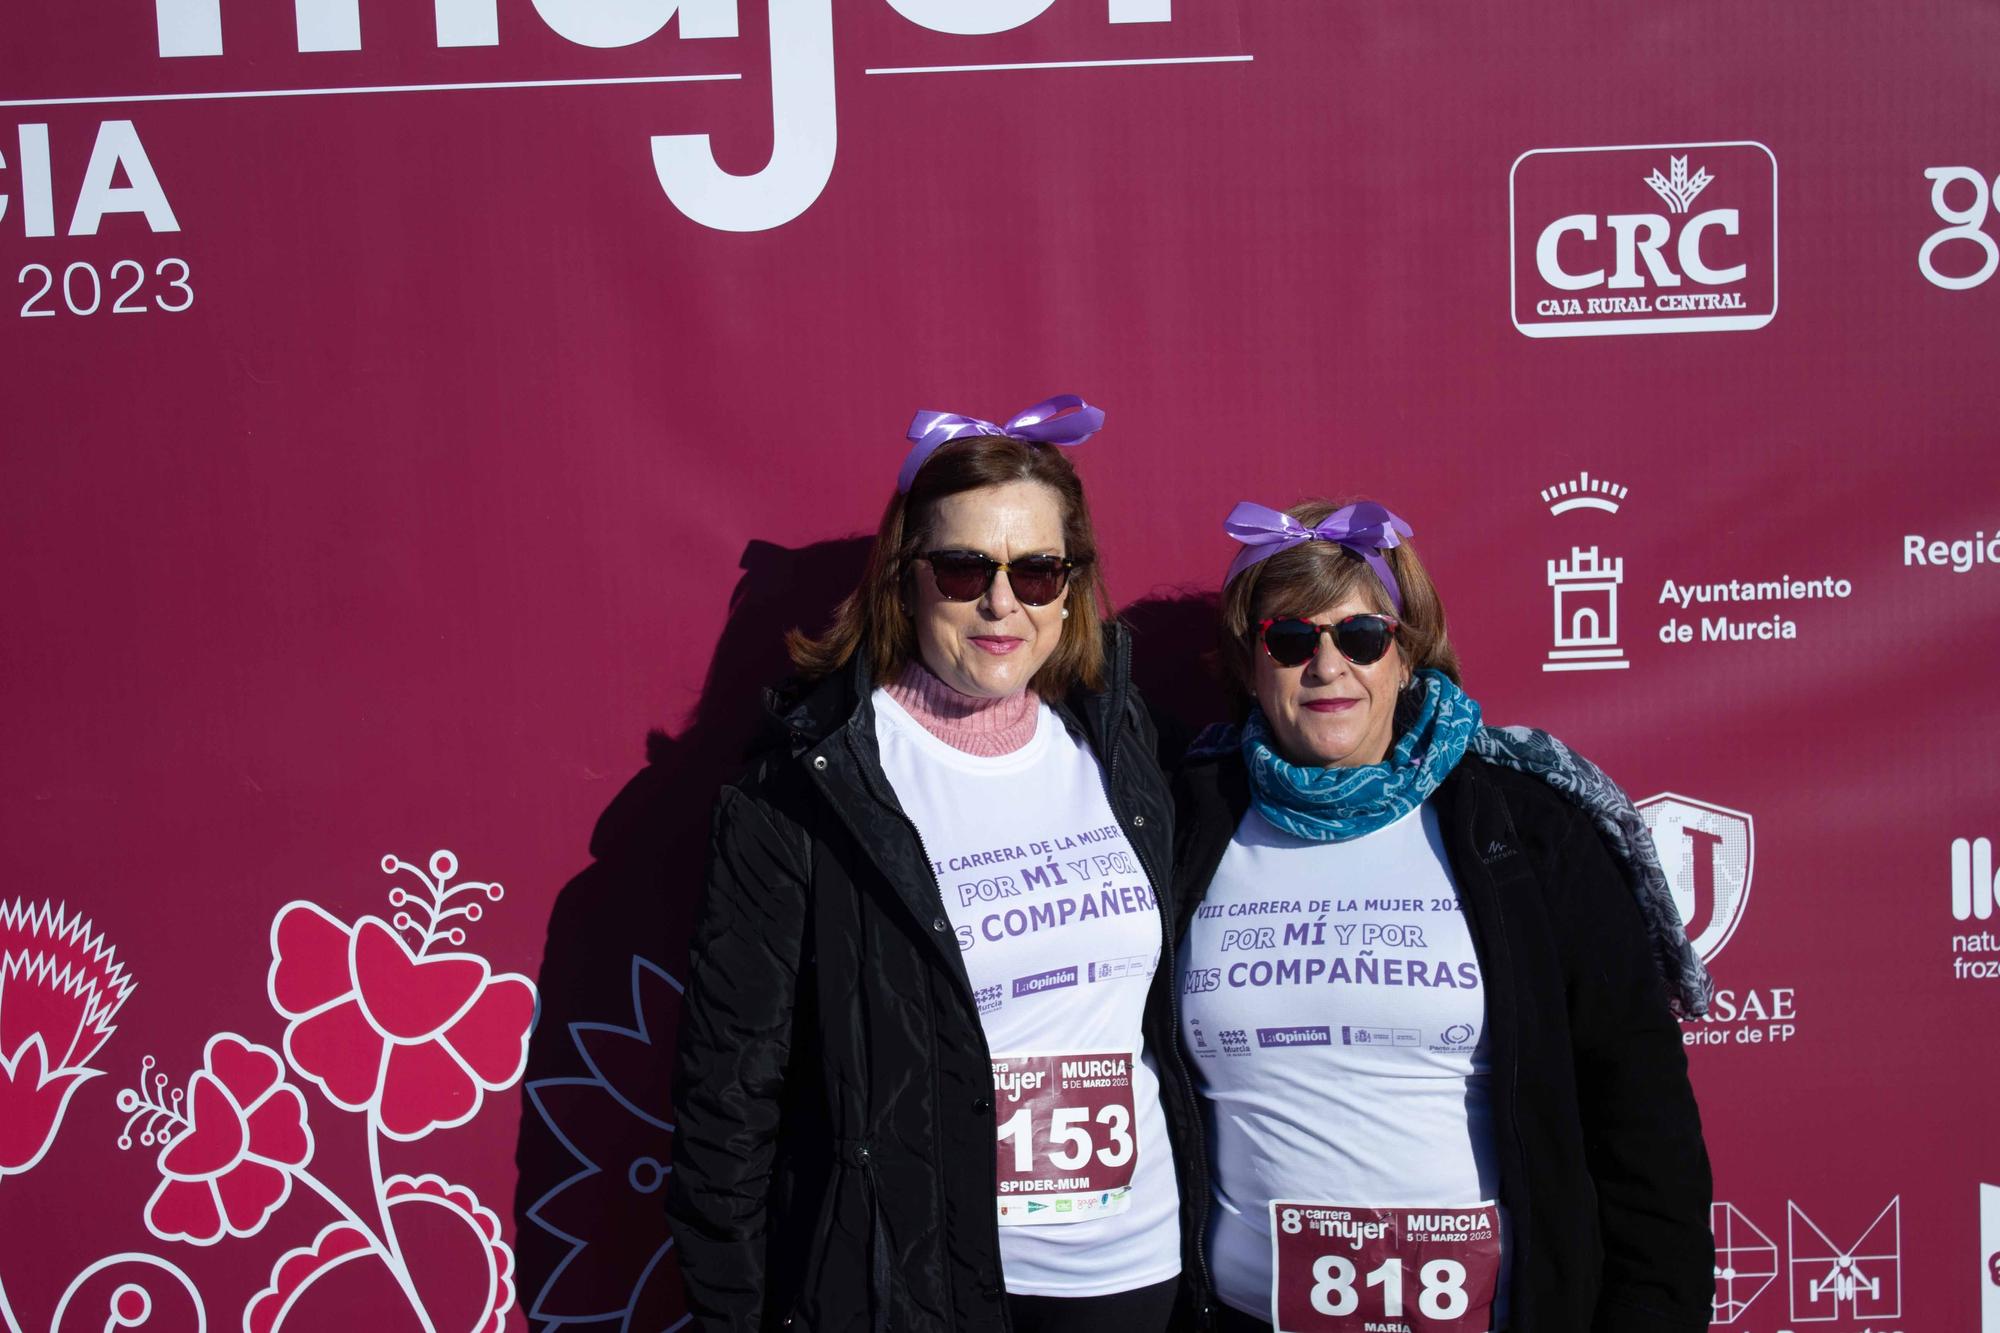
pixel 1367 529
pixel 1064 419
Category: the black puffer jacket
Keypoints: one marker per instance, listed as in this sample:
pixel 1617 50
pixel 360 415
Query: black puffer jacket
pixel 1602 1166
pixel 834 1145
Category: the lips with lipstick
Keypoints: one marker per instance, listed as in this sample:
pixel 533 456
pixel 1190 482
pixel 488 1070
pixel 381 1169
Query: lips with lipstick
pixel 997 644
pixel 1330 705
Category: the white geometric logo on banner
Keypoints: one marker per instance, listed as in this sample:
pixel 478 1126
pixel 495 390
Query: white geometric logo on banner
pixel 1746 1262
pixel 1708 852
pixel 1972 881
pixel 1860 1281
pixel 1989 1259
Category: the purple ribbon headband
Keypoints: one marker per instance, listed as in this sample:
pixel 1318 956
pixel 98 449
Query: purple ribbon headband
pixel 1064 419
pixel 1367 529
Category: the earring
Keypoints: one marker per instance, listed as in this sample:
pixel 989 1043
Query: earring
pixel 1065 614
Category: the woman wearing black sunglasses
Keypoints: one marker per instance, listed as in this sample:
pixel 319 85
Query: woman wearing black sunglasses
pixel 928 1077
pixel 1431 970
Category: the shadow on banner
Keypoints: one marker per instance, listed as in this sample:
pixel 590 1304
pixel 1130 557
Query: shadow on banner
pixel 596 1136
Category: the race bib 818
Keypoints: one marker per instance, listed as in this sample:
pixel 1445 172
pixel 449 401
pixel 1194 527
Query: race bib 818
pixel 1340 1269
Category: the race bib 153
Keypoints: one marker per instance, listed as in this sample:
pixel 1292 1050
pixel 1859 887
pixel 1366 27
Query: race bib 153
pixel 1066 1144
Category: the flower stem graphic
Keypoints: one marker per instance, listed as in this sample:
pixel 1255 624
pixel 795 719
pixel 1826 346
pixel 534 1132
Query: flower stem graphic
pixel 394 1256
pixel 340 1206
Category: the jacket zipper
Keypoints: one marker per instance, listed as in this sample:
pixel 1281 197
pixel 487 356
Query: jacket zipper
pixel 1192 1099
pixel 937 890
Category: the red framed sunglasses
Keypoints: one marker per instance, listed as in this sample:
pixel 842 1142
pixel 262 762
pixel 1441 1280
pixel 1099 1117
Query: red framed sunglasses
pixel 1361 639
pixel 964 576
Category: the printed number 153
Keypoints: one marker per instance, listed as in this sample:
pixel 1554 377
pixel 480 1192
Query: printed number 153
pixel 1070 1126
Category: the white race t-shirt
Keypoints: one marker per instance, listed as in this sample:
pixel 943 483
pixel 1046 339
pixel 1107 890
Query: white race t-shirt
pixel 1060 933
pixel 1334 1005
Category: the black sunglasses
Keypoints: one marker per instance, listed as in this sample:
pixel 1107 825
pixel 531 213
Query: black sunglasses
pixel 1361 639
pixel 964 576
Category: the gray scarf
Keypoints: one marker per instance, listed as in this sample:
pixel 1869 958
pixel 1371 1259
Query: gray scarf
pixel 1689 987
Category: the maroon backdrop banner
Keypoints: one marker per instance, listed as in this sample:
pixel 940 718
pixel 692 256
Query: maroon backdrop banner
pixel 422 421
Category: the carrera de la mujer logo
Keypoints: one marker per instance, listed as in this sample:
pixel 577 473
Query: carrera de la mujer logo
pixel 1655 238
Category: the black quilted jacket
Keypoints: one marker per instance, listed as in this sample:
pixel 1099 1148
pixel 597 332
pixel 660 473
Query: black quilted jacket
pixel 834 1140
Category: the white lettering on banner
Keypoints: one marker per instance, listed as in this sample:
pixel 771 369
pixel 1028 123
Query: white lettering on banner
pixel 1676 270
pixel 194 27
pixel 1632 248
pixel 804 135
pixel 1959 555
pixel 613 23
pixel 117 148
pixel 1965 226
pixel 971 18
pixel 804 138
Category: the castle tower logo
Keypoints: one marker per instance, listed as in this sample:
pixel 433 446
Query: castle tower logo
pixel 1584 584
pixel 1708 852
pixel 1592 256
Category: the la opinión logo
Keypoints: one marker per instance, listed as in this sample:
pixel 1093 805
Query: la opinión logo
pixel 1656 238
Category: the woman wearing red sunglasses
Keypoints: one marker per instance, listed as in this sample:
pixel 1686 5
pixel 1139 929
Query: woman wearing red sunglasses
pixel 1431 971
pixel 928 1075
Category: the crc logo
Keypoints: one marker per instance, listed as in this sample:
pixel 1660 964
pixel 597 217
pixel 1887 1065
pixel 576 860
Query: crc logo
pixel 1658 238
pixel 1707 851
pixel 1965 220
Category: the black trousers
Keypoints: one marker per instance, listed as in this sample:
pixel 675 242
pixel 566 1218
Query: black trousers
pixel 1229 1319
pixel 1141 1310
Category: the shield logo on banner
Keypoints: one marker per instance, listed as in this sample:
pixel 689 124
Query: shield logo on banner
pixel 1706 851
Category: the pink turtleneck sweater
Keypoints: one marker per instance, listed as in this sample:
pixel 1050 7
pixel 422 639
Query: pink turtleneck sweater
pixel 963 721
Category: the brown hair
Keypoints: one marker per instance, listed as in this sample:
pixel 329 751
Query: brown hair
pixel 874 619
pixel 1305 579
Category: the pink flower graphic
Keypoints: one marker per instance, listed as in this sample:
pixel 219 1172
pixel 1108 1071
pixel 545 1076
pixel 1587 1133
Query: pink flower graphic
pixel 415 1037
pixel 59 988
pixel 227 1163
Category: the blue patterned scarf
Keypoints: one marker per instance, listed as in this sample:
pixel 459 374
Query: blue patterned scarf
pixel 1336 804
